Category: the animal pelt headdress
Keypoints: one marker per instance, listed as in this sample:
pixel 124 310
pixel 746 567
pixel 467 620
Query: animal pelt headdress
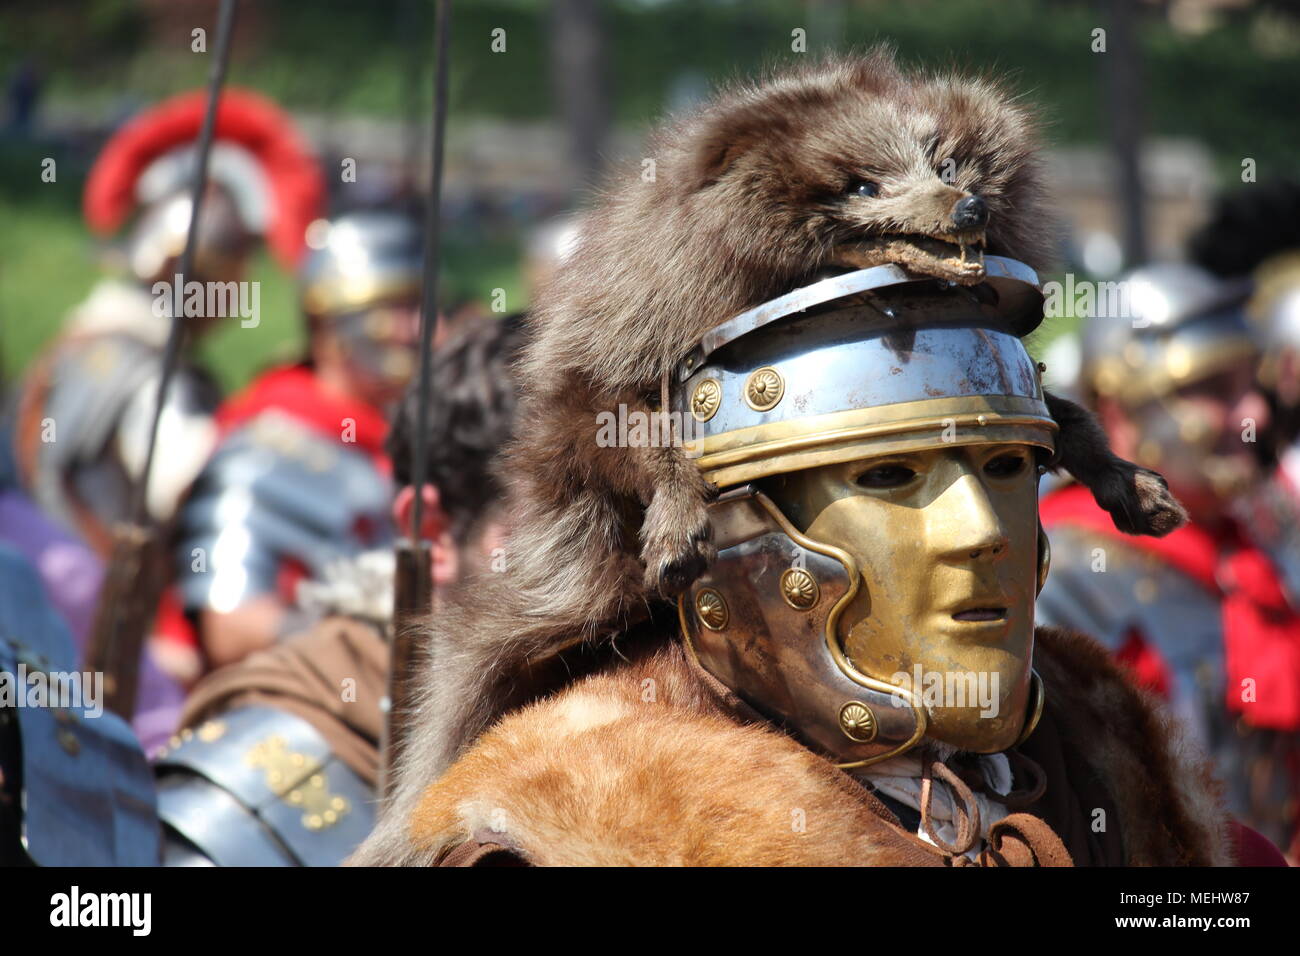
pixel 840 165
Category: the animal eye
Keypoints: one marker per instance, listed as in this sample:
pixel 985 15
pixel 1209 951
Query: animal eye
pixel 886 476
pixel 864 188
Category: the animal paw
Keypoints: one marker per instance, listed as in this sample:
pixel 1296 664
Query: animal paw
pixel 677 542
pixel 1139 501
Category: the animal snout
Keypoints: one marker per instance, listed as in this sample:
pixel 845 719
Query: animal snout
pixel 972 212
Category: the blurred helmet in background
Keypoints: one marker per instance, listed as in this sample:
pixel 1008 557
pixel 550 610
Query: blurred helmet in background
pixel 1274 310
pixel 156 241
pixel 361 283
pixel 1177 324
pixel 1180 358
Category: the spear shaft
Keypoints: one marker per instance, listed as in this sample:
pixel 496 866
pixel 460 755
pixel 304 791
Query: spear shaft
pixel 134 582
pixel 413 598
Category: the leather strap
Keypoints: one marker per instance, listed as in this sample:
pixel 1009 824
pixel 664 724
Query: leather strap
pixel 474 853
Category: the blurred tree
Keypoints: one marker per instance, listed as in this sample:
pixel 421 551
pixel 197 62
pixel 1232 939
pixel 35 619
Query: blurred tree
pixel 1121 70
pixel 577 48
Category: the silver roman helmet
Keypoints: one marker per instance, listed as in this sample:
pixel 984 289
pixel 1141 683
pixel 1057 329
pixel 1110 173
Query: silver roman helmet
pixel 361 280
pixel 360 258
pixel 158 237
pixel 1178 327
pixel 823 593
pixel 1177 323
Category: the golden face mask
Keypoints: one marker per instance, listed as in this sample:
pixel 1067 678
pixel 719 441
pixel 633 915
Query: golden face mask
pixel 876 438
pixel 946 542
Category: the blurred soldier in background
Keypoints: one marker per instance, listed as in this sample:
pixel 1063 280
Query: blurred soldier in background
pixel 95 390
pixel 85 411
pixel 1255 232
pixel 72 574
pixel 1273 514
pixel 1201 616
pixel 321 691
pixel 87 404
pixel 300 478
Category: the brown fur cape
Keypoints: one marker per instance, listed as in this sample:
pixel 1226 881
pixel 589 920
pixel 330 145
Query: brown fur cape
pixel 642 763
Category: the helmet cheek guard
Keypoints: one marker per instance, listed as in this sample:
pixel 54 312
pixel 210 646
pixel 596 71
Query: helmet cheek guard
pixel 763 621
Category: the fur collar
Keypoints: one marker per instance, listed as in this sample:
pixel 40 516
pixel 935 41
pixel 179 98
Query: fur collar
pixel 642 764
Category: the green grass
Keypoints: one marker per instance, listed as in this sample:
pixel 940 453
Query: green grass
pixel 46 266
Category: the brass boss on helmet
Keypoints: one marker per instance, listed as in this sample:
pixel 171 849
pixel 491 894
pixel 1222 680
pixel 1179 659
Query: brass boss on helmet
pixel 816 600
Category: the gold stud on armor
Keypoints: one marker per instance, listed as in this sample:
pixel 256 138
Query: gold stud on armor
pixel 799 588
pixel 212 730
pixel 706 400
pixel 764 389
pixel 858 722
pixel 712 609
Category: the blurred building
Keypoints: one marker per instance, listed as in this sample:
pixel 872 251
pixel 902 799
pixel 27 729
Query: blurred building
pixel 1178 177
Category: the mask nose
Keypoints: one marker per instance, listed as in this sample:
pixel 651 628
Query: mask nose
pixel 972 212
pixel 968 526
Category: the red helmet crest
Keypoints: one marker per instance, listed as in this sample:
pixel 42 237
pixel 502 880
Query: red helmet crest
pixel 292 175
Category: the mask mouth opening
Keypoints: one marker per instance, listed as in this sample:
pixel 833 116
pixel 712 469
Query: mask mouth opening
pixel 982 614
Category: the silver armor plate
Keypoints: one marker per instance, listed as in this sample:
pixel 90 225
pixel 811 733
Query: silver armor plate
pixel 276 491
pixel 97 387
pixel 258 786
pixel 1137 592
